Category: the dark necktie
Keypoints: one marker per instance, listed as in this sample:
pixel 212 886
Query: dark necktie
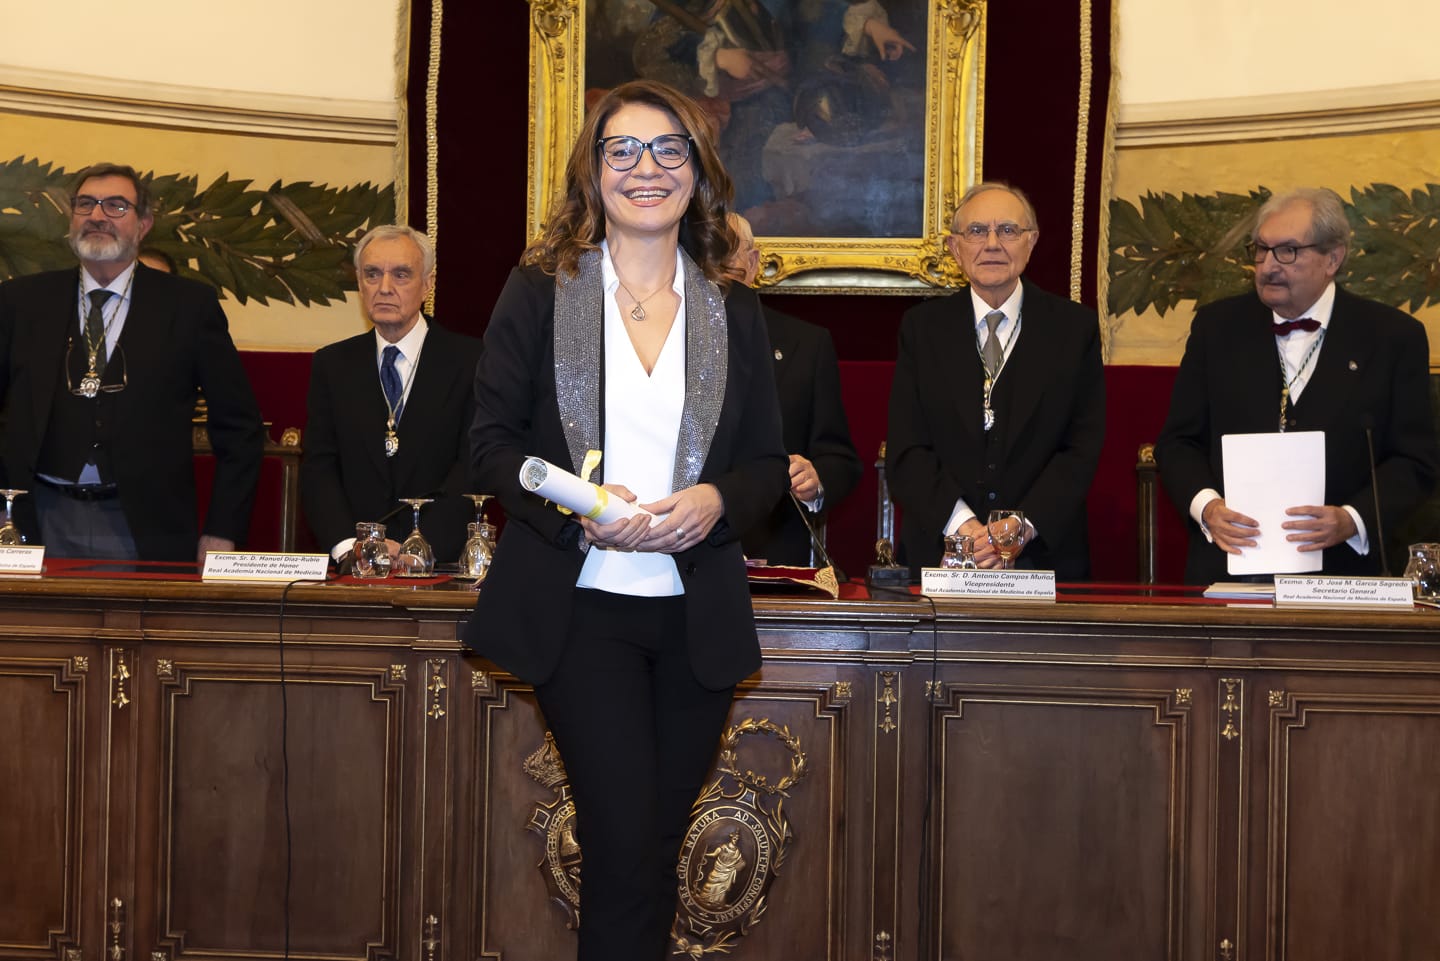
pixel 1307 324
pixel 95 327
pixel 992 352
pixel 390 382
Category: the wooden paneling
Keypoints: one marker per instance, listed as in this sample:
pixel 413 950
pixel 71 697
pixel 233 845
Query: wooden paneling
pixel 1086 781
pixel 1350 834
pixel 1067 806
pixel 46 778
pixel 228 738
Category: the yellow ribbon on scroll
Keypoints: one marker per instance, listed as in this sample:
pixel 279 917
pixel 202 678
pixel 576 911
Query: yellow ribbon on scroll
pixel 587 469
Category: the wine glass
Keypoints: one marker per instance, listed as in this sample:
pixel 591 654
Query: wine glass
pixel 10 535
pixel 479 551
pixel 417 557
pixel 479 547
pixel 479 500
pixel 1007 535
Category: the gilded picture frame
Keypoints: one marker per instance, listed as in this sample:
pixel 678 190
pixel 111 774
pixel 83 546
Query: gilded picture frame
pixel 942 137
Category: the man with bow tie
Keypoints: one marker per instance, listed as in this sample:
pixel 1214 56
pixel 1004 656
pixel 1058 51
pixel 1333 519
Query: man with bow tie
pixel 1302 354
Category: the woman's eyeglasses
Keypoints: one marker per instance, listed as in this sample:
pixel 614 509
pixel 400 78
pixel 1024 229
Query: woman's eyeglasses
pixel 669 150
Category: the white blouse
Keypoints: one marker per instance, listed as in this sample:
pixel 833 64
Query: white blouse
pixel 642 427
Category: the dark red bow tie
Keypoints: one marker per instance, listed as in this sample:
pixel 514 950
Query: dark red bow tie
pixel 1307 324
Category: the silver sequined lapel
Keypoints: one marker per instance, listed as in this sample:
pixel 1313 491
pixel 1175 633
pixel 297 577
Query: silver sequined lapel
pixel 579 333
pixel 707 356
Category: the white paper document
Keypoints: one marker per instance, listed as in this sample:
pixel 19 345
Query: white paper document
pixel 1265 475
pixel 572 493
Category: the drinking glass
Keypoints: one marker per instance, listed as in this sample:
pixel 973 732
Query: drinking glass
pixel 1007 535
pixel 1423 570
pixel 372 554
pixel 959 553
pixel 10 535
pixel 417 557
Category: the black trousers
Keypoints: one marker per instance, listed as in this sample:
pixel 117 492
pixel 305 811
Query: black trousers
pixel 637 734
pixel 95 530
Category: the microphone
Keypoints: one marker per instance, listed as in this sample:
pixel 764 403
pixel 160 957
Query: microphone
pixel 1375 492
pixel 814 538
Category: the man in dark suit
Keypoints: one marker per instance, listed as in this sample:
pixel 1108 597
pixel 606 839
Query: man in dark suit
pixel 390 410
pixel 998 400
pixel 824 467
pixel 99 367
pixel 1355 369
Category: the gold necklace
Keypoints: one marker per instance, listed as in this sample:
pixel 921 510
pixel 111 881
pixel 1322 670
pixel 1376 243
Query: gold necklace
pixel 637 312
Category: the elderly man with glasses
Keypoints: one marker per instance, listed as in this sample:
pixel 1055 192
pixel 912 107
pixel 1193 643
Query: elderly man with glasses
pixel 1301 353
pixel 98 367
pixel 998 401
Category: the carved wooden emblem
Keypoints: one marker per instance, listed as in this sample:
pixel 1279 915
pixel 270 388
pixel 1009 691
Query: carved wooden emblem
pixel 730 857
pixel 555 823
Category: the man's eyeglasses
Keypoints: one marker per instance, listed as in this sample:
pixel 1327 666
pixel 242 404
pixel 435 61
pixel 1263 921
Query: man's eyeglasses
pixel 1283 253
pixel 670 150
pixel 975 234
pixel 114 207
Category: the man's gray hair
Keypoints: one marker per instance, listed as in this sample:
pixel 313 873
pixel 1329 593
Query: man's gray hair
pixel 986 185
pixel 391 232
pixel 1329 227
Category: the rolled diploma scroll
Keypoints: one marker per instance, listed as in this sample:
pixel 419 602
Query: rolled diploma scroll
pixel 556 484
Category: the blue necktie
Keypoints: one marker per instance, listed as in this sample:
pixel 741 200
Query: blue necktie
pixel 390 382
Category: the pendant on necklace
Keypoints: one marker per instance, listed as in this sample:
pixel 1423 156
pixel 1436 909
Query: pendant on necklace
pixel 989 418
pixel 637 312
pixel 89 385
pixel 392 443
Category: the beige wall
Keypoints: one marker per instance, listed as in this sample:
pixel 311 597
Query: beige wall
pixel 1187 50
pixel 341 49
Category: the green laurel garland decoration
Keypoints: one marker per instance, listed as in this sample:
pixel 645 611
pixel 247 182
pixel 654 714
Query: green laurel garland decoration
pixel 289 242
pixel 1190 247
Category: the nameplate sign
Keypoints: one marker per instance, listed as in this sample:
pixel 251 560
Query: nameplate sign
pixel 242 566
pixel 22 560
pixel 995 585
pixel 1387 592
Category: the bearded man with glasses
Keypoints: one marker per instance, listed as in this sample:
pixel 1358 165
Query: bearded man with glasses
pixel 99 367
pixel 998 401
pixel 1301 353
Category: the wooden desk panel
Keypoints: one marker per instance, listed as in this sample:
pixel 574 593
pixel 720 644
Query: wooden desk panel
pixel 1080 780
